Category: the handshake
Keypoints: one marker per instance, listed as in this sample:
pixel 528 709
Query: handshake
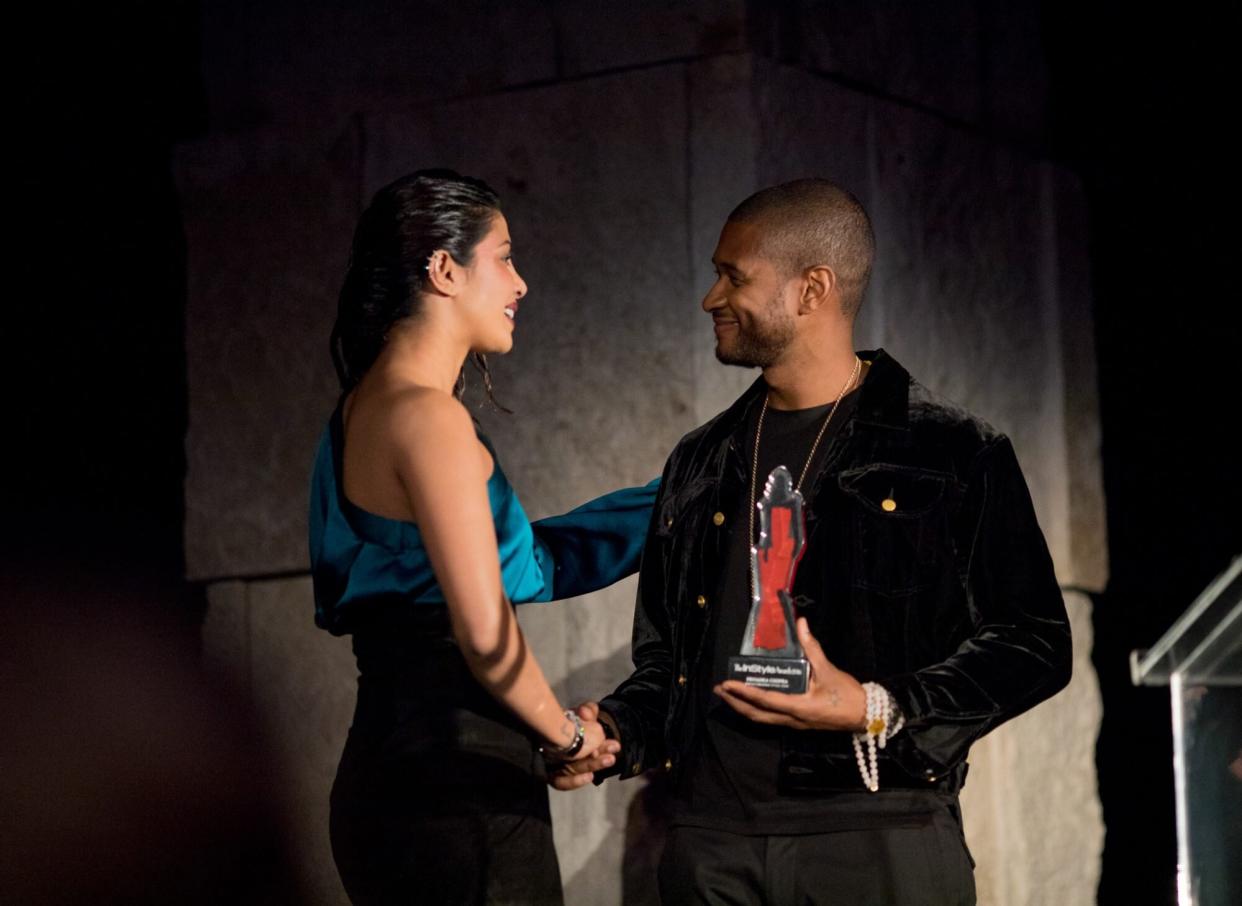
pixel 597 751
pixel 834 700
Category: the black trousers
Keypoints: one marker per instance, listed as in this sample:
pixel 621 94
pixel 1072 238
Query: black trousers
pixel 432 838
pixel 916 864
pixel 440 796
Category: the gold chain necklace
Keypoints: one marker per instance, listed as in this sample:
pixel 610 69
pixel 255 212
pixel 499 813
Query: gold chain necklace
pixel 754 468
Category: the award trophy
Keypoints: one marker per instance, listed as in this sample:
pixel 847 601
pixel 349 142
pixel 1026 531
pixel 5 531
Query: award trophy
pixel 771 656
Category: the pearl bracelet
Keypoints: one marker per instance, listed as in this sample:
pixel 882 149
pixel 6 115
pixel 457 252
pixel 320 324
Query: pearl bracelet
pixel 884 719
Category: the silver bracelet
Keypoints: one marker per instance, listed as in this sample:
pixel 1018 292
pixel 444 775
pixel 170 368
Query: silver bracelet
pixel 565 753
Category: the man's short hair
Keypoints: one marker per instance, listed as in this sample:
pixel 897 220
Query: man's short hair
pixel 809 222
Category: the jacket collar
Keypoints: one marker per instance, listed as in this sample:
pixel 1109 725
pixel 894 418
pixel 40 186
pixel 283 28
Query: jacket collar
pixel 884 400
pixel 885 397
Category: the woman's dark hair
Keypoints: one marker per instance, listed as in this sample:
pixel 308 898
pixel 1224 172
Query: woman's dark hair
pixel 407 221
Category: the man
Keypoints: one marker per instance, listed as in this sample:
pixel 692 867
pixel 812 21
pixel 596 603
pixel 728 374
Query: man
pixel 924 576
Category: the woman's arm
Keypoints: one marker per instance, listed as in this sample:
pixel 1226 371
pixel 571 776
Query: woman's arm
pixel 444 471
pixel 596 544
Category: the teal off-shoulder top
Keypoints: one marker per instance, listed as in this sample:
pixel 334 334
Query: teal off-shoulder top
pixel 358 556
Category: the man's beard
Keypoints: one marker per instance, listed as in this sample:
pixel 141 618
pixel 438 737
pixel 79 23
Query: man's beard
pixel 760 346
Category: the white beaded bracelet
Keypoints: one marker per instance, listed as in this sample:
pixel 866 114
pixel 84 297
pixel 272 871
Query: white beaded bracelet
pixel 884 719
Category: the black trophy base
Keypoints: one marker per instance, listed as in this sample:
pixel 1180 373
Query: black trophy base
pixel 780 674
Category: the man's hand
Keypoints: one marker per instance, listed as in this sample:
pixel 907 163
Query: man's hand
pixel 569 775
pixel 833 701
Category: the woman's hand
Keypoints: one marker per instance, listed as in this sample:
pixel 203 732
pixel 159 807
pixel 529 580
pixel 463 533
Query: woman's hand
pixel 596 752
pixel 592 739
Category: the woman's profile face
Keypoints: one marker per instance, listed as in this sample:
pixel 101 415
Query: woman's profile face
pixel 493 288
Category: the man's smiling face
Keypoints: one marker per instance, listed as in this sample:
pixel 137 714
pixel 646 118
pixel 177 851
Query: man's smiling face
pixel 748 300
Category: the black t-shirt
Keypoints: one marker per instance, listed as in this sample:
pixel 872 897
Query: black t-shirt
pixel 729 780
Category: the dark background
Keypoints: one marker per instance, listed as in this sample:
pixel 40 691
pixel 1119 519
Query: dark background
pixel 1139 107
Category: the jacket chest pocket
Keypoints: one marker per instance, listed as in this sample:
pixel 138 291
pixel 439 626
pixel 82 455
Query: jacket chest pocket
pixel 680 512
pixel 680 527
pixel 897 517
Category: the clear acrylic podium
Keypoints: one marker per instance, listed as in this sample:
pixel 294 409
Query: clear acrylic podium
pixel 1200 660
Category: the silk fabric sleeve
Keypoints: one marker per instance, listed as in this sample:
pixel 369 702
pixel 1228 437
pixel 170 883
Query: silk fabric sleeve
pixel 593 545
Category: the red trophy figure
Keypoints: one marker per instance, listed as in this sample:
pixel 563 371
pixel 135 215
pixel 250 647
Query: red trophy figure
pixel 771 656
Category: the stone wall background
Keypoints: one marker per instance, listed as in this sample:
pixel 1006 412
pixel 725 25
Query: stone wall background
pixel 619 140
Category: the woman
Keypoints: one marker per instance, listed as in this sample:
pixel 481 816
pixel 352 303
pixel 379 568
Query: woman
pixel 418 546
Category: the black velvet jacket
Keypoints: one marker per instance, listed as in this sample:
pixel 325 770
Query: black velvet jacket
pixel 949 601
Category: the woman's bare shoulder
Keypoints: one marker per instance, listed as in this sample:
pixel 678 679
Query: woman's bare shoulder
pixel 407 417
pixel 432 428
pixel 414 413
